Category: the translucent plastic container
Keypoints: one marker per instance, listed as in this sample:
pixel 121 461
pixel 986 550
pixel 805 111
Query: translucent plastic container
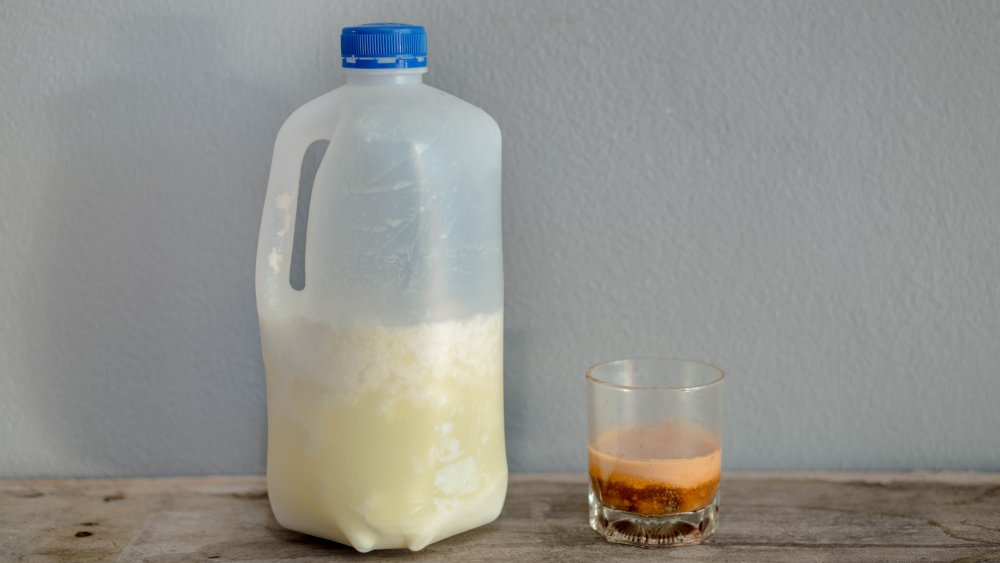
pixel 385 372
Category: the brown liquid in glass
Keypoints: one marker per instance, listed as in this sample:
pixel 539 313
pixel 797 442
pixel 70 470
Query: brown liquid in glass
pixel 656 471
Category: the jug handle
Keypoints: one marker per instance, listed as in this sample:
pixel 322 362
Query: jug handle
pixel 308 124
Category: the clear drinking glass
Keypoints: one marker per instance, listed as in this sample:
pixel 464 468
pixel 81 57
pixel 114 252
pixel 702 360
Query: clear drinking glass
pixel 655 450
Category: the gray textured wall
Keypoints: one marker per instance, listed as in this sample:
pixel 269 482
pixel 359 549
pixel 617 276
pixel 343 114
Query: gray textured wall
pixel 806 193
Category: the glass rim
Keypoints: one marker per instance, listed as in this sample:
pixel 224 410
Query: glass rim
pixel 594 379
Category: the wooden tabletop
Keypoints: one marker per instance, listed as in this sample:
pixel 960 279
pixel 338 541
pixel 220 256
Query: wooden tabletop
pixel 764 517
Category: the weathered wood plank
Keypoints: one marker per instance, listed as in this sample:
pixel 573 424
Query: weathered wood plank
pixel 765 517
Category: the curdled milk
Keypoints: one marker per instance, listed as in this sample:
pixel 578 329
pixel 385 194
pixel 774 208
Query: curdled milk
pixel 385 437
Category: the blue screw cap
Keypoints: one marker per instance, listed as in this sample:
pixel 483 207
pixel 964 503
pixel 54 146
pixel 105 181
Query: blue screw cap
pixel 384 45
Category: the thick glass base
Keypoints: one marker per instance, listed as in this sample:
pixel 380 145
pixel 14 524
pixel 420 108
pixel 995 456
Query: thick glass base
pixel 684 528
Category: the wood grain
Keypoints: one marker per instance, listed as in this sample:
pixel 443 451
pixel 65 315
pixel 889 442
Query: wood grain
pixel 765 517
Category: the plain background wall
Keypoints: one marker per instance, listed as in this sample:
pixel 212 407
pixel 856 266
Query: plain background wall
pixel 806 193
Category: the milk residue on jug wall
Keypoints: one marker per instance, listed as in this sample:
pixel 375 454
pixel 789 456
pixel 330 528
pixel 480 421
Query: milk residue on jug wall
pixel 383 436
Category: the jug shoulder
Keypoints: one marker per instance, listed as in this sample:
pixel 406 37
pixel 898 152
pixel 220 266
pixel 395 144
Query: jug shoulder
pixel 412 113
pixel 477 117
pixel 317 116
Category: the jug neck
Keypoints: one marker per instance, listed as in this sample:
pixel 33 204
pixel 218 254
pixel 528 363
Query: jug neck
pixel 384 76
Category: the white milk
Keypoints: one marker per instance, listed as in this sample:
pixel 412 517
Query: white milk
pixel 385 437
